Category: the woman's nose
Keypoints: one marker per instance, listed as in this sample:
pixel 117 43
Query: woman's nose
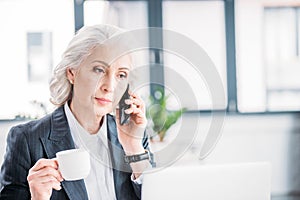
pixel 108 84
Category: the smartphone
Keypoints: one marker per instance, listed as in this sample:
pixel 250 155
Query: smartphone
pixel 124 118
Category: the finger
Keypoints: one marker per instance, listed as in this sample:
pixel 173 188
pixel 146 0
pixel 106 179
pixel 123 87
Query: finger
pixel 46 183
pixel 129 110
pixel 41 163
pixel 44 179
pixel 132 94
pixel 137 98
pixel 133 110
pixel 56 161
pixel 56 186
pixel 52 184
pixel 137 102
pixel 46 171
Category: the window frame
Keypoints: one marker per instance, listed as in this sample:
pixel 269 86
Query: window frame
pixel 155 20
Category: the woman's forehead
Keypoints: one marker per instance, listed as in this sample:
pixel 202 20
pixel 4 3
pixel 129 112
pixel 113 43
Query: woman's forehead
pixel 103 54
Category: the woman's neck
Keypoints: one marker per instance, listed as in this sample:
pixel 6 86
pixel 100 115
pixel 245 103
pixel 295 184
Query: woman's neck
pixel 87 118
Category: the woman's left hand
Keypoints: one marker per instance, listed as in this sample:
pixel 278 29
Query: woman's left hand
pixel 131 134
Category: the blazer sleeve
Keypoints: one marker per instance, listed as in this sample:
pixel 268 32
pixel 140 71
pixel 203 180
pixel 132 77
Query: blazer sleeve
pixel 15 167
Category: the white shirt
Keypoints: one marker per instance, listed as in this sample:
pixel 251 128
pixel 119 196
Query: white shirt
pixel 99 183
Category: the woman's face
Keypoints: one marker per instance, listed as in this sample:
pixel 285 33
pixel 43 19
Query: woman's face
pixel 98 86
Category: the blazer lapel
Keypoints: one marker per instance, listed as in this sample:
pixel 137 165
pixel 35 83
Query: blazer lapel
pixel 60 139
pixel 117 157
pixel 115 148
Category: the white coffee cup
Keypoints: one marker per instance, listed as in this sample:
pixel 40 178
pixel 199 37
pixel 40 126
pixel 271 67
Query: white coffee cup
pixel 73 164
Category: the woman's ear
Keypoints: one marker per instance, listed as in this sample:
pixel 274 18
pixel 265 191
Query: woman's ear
pixel 71 75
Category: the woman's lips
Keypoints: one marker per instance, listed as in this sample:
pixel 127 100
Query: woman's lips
pixel 103 101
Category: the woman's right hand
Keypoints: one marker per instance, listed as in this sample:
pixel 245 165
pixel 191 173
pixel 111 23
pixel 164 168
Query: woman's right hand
pixel 43 177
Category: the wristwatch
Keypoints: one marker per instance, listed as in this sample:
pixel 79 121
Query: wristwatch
pixel 137 157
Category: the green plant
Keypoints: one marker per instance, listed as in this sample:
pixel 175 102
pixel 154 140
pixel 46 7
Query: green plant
pixel 162 118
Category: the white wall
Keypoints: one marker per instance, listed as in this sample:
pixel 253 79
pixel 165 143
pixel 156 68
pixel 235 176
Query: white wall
pixel 253 138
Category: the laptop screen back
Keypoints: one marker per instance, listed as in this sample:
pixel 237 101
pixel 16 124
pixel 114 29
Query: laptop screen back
pixel 243 181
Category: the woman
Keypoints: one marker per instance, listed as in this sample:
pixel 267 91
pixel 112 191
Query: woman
pixel 86 87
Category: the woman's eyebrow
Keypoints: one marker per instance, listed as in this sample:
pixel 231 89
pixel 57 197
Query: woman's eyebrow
pixel 107 65
pixel 124 68
pixel 102 62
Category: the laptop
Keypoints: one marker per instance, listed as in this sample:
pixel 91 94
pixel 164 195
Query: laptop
pixel 237 181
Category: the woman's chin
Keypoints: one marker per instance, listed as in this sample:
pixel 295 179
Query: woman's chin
pixel 102 110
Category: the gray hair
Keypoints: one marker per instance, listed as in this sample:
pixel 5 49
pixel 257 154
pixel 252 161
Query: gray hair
pixel 78 49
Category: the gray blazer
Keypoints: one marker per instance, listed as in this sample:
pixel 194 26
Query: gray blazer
pixel 43 138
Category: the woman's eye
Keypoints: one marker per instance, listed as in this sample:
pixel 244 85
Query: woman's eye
pixel 123 75
pixel 98 70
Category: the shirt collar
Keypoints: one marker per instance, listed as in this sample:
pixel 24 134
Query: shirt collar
pixel 77 129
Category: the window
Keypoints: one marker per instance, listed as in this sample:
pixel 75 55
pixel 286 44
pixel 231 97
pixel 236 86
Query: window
pixel 190 18
pixel 281 56
pixel 267 38
pixel 126 14
pixel 39 56
pixel 32 39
